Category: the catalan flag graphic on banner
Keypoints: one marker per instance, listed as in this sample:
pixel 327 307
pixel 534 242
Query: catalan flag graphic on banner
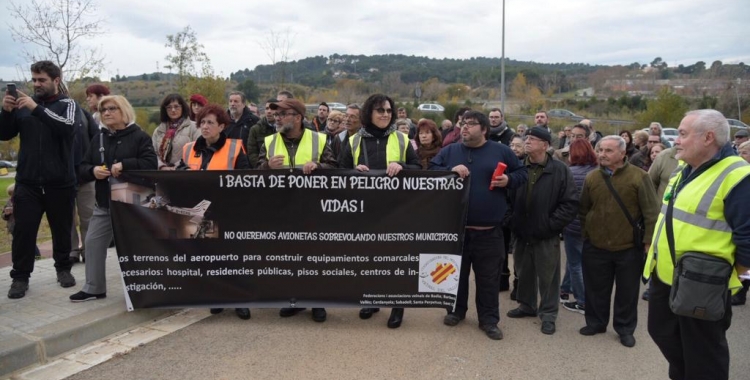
pixel 441 272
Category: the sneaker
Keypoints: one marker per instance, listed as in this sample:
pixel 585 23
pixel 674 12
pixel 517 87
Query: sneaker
pixel 452 319
pixel 290 311
pixel 564 297
pixel 366 313
pixel 492 331
pixel 83 297
pixel 574 307
pixel 548 327
pixel 66 279
pixel 589 331
pixel 319 315
pixel 18 289
pixel 627 340
pixel 243 313
pixel 520 313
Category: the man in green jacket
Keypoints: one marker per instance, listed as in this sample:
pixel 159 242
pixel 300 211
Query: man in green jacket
pixel 610 254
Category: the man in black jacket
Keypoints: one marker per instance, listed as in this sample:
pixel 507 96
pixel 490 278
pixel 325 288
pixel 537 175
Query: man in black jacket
pixel 45 177
pixel 499 130
pixel 258 132
pixel 543 208
pixel 242 118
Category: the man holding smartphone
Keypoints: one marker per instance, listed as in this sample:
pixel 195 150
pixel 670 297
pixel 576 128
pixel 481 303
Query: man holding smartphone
pixel 45 176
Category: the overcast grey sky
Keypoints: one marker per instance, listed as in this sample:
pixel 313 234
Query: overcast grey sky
pixel 588 31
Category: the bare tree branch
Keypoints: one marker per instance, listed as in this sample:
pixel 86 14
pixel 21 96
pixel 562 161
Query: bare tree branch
pixel 278 47
pixel 55 28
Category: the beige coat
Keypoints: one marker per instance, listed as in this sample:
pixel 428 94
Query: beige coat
pixel 186 132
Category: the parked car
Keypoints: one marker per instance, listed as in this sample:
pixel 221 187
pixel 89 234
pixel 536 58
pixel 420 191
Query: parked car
pixel 337 107
pixel 734 123
pixel 669 133
pixel 431 107
pixel 564 114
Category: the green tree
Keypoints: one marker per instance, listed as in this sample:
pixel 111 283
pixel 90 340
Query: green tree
pixel 250 89
pixel 668 109
pixel 187 52
pixel 212 86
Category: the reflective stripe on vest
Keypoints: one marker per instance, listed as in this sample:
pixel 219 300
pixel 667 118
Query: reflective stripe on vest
pixel 395 148
pixel 223 159
pixel 311 147
pixel 698 219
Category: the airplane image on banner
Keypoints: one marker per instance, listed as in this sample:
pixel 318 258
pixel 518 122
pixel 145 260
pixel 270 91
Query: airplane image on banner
pixel 198 210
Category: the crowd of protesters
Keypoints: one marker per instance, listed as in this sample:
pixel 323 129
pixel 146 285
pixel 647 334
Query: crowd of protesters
pixel 557 186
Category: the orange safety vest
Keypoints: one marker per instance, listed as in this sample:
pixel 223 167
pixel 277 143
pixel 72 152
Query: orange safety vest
pixel 223 159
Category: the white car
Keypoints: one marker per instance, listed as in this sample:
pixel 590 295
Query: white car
pixel 337 107
pixel 431 107
pixel 734 123
pixel 669 133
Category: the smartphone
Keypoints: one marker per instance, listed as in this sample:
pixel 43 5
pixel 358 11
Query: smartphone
pixel 11 90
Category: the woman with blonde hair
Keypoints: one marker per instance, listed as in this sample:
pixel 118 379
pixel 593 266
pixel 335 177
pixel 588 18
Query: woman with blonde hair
pixel 121 147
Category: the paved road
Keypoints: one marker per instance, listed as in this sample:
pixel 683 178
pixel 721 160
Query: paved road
pixel 225 347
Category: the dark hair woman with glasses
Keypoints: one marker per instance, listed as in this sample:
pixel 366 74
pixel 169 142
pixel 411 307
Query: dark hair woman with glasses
pixel 379 146
pixel 176 130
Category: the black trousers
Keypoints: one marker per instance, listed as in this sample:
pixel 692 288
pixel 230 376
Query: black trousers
pixel 481 253
pixel 601 270
pixel 30 204
pixel 695 349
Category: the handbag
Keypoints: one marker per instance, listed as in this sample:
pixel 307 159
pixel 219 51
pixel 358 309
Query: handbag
pixel 700 283
pixel 639 228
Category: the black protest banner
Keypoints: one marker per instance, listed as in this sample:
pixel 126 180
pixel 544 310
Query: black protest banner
pixel 280 238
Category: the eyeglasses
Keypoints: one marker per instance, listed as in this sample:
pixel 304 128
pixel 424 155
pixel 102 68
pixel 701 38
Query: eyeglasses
pixel 285 114
pixel 109 109
pixel 382 110
pixel 175 107
pixel 468 124
pixel 350 117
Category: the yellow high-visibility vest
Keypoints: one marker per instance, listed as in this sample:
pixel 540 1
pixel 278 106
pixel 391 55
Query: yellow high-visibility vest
pixel 395 148
pixel 311 147
pixel 698 219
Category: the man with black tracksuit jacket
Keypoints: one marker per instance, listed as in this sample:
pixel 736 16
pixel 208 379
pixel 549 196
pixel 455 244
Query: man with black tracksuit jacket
pixel 475 160
pixel 45 177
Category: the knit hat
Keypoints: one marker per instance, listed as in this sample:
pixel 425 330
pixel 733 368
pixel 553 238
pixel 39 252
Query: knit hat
pixel 540 133
pixel 197 98
pixel 289 104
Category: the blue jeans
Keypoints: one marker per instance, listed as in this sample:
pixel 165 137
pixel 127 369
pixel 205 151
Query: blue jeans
pixel 573 253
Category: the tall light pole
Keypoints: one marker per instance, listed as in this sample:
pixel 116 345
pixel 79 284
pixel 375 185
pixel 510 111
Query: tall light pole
pixel 502 68
pixel 737 91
